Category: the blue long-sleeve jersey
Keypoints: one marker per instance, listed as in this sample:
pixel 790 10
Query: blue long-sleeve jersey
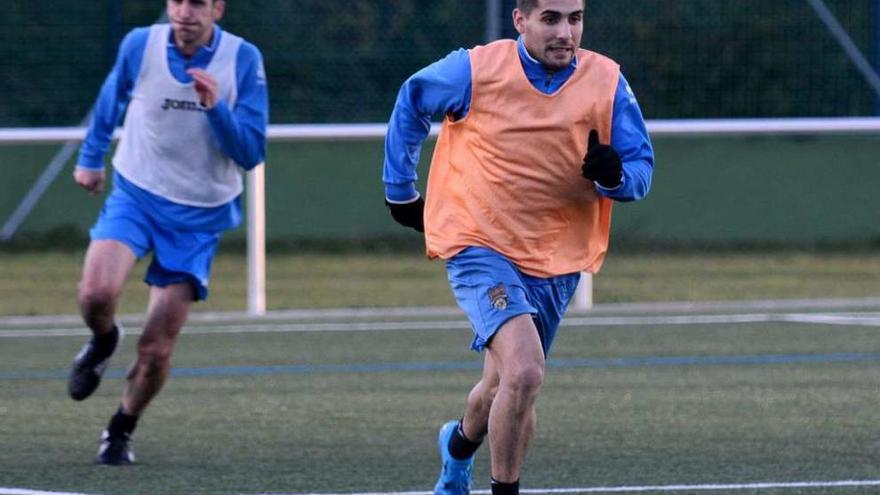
pixel 444 88
pixel 240 132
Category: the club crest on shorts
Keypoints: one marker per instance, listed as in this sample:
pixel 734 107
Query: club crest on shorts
pixel 498 297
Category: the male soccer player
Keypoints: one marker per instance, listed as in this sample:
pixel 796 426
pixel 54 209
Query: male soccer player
pixel 539 138
pixel 196 115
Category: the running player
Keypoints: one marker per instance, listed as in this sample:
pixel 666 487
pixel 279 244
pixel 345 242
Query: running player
pixel 539 139
pixel 196 111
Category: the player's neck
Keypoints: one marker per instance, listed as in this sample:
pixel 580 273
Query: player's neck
pixel 190 49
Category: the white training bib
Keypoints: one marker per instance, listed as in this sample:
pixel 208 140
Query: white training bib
pixel 167 145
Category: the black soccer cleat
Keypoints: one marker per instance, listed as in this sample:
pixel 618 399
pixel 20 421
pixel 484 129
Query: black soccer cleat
pixel 89 365
pixel 115 451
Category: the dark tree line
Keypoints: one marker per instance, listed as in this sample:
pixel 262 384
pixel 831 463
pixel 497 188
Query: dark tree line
pixel 343 61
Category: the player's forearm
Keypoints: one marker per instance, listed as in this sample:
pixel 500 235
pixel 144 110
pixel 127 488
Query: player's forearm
pixel 636 183
pixel 442 88
pixel 105 115
pixel 241 134
pixel 629 138
pixel 403 144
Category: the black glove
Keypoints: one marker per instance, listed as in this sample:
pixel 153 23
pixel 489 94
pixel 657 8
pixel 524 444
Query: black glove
pixel 601 163
pixel 409 214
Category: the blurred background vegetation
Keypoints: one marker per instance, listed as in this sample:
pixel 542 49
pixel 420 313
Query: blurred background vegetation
pixel 334 61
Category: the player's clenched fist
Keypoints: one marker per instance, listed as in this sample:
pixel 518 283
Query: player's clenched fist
pixel 409 214
pixel 90 180
pixel 206 87
pixel 601 163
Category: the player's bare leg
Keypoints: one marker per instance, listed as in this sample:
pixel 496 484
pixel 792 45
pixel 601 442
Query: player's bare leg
pixel 501 404
pixel 516 351
pixel 166 315
pixel 475 423
pixel 105 270
pixel 458 441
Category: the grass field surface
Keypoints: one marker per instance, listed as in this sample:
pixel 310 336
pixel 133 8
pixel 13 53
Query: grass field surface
pixel 44 283
pixel 727 399
pixel 734 398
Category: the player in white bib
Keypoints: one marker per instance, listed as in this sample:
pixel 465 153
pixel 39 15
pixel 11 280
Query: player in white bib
pixel 196 111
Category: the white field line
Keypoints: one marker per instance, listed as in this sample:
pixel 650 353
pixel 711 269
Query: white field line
pixel 862 319
pixel 811 485
pixel 808 485
pixel 22 491
pixel 230 317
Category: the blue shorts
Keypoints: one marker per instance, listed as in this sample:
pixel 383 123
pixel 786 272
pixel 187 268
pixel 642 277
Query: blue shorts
pixel 491 290
pixel 178 255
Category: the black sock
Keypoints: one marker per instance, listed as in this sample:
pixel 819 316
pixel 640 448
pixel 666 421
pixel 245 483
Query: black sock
pixel 121 424
pixel 460 447
pixel 500 488
pixel 105 343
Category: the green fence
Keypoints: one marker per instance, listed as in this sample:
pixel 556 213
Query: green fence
pixel 340 61
pixel 334 61
pixel 755 190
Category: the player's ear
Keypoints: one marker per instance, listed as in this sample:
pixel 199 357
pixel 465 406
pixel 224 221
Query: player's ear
pixel 519 21
pixel 219 9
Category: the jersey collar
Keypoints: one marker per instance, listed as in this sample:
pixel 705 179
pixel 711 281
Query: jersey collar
pixel 534 68
pixel 202 51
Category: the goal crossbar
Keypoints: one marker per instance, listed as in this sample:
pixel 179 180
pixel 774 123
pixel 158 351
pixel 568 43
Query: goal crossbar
pixel 657 128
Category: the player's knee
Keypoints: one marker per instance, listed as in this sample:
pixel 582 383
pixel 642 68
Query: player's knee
pixel 489 394
pixel 155 354
pixel 96 297
pixel 526 379
pixel 482 396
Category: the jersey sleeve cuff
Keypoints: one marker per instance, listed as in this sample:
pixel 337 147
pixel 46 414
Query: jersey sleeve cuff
pixel 609 192
pixel 90 162
pixel 608 189
pixel 401 193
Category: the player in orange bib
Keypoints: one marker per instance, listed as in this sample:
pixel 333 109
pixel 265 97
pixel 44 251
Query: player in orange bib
pixel 539 139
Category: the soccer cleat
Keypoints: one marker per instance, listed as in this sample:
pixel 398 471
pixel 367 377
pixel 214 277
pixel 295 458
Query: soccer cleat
pixel 115 451
pixel 88 367
pixel 455 477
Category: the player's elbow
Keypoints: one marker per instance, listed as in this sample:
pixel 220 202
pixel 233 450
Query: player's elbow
pixel 251 162
pixel 638 176
pixel 252 153
pixel 641 189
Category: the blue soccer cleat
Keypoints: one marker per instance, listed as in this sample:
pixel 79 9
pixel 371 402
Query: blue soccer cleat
pixel 455 477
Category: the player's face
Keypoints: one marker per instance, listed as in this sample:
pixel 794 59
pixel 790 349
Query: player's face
pixel 552 31
pixel 193 20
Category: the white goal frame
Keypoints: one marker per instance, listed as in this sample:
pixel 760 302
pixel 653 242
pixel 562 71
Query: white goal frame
pixel 256 198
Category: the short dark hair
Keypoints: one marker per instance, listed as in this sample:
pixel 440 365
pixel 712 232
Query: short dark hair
pixel 526 6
